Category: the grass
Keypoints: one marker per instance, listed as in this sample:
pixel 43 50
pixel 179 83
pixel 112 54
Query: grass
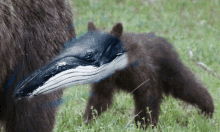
pixel 185 23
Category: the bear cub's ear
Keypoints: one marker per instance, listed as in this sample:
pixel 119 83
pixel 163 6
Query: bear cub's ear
pixel 117 30
pixel 91 27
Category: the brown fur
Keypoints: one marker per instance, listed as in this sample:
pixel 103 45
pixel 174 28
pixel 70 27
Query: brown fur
pixel 155 64
pixel 31 33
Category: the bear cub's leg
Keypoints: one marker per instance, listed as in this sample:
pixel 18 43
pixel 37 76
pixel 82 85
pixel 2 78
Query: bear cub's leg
pixel 100 99
pixel 147 105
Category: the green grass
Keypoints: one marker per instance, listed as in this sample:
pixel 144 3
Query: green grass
pixel 185 23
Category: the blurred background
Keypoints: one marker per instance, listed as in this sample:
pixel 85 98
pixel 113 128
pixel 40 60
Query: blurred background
pixel 184 23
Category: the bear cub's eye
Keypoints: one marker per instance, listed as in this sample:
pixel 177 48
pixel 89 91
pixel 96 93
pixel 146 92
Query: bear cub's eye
pixel 89 55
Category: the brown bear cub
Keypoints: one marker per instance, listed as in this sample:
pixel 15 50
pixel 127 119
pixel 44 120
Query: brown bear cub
pixel 154 69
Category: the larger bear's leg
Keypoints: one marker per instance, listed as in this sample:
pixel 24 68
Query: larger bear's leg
pixel 32 115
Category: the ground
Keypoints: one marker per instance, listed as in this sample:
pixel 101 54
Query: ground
pixel 189 23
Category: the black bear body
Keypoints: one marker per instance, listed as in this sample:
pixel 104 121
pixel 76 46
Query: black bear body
pixel 154 69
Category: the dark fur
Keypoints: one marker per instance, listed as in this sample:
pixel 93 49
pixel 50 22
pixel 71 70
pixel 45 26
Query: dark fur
pixel 31 33
pixel 154 61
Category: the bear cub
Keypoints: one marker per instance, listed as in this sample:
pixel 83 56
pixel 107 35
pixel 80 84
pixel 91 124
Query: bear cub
pixel 154 68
